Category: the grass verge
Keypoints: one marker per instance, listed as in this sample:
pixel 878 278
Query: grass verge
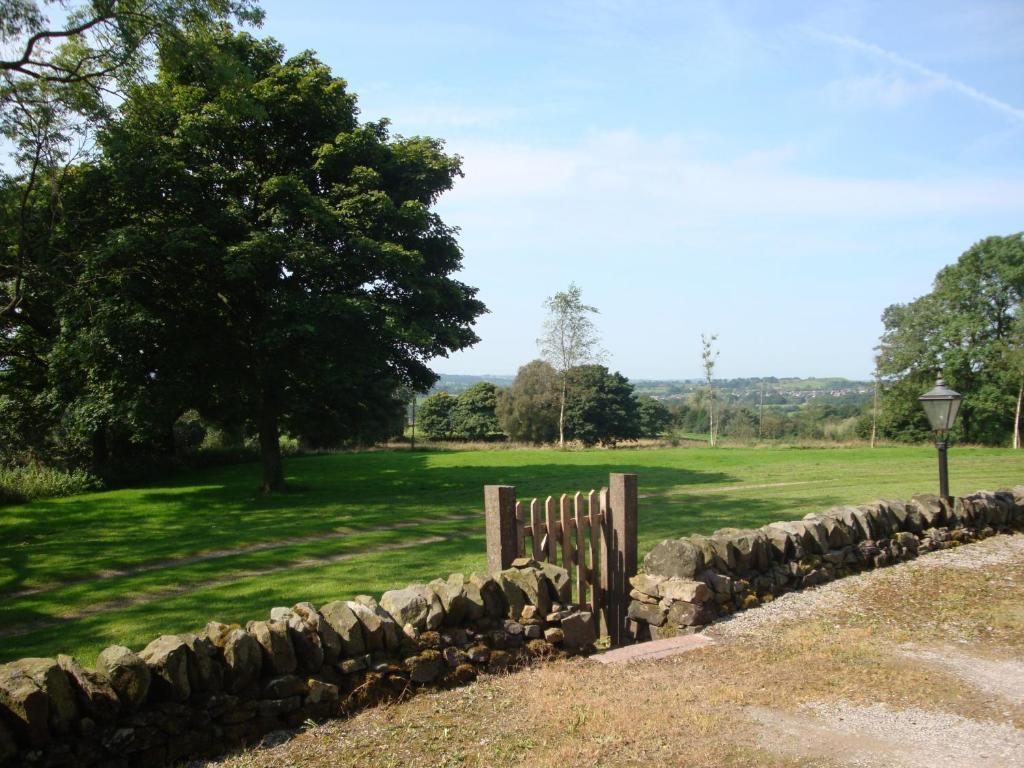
pixel 60 557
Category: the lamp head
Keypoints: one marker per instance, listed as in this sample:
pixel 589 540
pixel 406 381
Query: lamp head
pixel 941 405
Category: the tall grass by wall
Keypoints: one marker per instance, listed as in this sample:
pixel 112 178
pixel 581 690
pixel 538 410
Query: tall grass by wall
pixel 19 484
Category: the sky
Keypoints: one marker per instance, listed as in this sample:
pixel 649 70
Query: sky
pixel 773 172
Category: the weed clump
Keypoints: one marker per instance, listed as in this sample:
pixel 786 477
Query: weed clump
pixel 34 481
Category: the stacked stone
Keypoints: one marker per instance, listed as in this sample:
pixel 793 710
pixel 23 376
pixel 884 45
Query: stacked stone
pixel 186 696
pixel 689 582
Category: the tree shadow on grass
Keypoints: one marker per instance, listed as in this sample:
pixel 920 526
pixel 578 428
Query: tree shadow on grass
pixel 62 539
pixel 251 598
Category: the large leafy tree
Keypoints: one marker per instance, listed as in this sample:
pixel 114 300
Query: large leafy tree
pixel 655 417
pixel 469 416
pixel 569 340
pixel 1013 359
pixel 963 329
pixel 59 80
pixel 601 407
pixel 435 416
pixel 528 410
pixel 268 256
pixel 475 416
pixel 97 42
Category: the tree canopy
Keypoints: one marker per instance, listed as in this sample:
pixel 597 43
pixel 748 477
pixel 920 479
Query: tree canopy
pixel 60 81
pixel 528 410
pixel 472 415
pixel 654 417
pixel 434 416
pixel 247 247
pixel 964 329
pixel 601 407
pixel 475 416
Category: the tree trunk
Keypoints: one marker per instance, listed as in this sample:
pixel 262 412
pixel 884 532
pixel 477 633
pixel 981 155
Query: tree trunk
pixel 874 416
pixel 711 419
pixel 760 414
pixel 270 451
pixel 413 443
pixel 1016 418
pixel 561 415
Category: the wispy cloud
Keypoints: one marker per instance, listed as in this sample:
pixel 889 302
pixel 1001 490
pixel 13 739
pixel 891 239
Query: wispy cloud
pixel 934 77
pixel 435 116
pixel 887 90
pixel 650 222
pixel 666 182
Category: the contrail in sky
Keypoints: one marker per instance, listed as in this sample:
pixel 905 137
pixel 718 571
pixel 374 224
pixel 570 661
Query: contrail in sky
pixel 938 78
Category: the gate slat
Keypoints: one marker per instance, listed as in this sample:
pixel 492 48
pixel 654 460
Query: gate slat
pixel 609 599
pixel 552 532
pixel 595 556
pixel 535 528
pixel 580 554
pixel 520 532
pixel 567 537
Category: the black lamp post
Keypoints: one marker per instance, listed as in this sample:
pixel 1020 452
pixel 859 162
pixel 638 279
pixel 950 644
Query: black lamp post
pixel 941 405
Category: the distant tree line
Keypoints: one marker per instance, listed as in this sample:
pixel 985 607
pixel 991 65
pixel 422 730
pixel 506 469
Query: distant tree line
pixel 816 419
pixel 601 408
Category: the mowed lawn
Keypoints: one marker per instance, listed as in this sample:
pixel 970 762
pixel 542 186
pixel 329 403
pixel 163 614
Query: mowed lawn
pixel 80 573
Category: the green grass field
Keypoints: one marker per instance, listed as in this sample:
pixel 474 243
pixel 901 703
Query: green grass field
pixel 80 573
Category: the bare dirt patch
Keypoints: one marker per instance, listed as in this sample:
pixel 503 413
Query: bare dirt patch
pixel 878 736
pixel 998 676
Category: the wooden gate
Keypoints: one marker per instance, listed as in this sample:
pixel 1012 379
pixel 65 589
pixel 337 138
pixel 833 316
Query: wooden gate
pixel 596 533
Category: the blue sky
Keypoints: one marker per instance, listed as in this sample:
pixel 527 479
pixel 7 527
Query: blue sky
pixel 777 173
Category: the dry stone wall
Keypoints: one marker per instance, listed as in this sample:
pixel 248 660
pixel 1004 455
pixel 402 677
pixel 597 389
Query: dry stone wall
pixel 192 695
pixel 687 583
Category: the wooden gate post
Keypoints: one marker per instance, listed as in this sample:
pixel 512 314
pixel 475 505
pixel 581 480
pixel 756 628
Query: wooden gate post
pixel 500 520
pixel 622 508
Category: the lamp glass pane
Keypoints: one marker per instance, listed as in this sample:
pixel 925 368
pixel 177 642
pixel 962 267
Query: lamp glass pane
pixel 937 412
pixel 954 409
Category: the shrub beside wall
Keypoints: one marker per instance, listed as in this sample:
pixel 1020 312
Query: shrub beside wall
pixel 687 583
pixel 193 695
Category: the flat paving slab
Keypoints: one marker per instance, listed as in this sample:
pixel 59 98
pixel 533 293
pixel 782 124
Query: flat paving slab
pixel 654 649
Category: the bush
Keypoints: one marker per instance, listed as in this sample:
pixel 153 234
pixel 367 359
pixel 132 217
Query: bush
pixel 189 433
pixel 435 416
pixel 528 410
pixel 290 446
pixel 601 407
pixel 19 484
pixel 474 416
pixel 655 417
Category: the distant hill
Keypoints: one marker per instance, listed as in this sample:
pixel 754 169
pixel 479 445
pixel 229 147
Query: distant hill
pixel 776 389
pixel 791 388
pixel 454 383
